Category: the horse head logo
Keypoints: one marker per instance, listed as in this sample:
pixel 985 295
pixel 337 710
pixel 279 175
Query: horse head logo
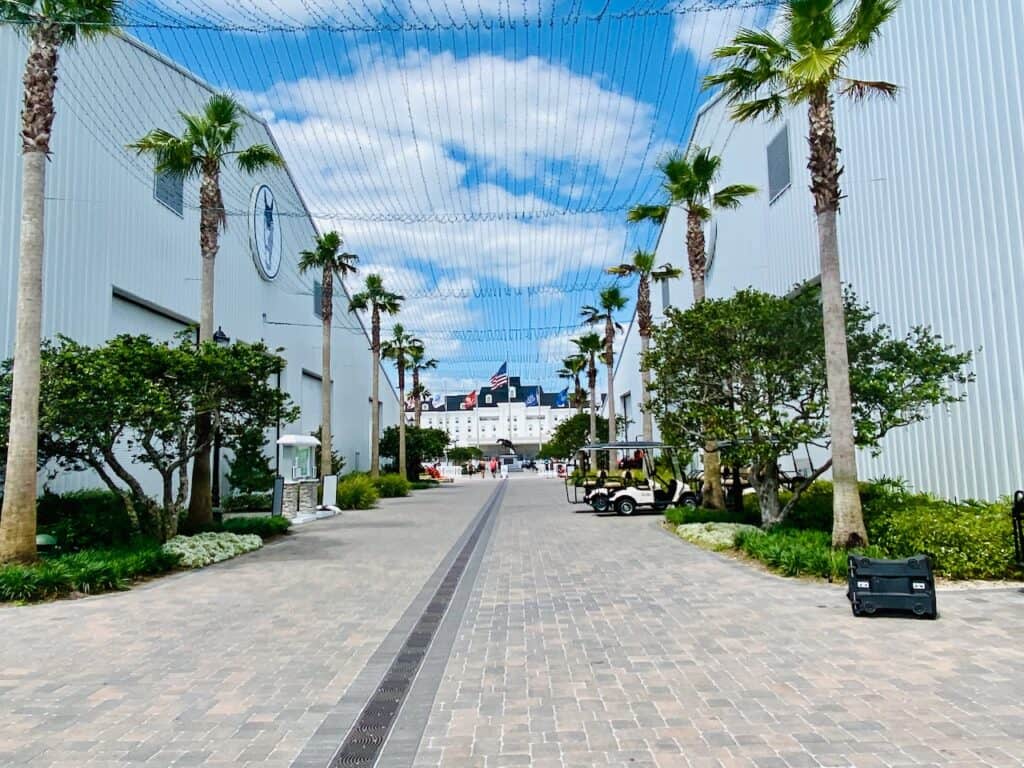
pixel 268 226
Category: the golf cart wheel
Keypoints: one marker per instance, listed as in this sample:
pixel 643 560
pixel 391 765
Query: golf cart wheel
pixel 626 506
pixel 689 500
pixel 600 503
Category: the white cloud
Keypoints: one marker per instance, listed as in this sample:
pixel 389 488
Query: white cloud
pixel 701 32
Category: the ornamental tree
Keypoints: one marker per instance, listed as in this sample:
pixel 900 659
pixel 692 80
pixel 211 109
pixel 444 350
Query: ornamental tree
pixel 421 443
pixel 757 373
pixel 132 403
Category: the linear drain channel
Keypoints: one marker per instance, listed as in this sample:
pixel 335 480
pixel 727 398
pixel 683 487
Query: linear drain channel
pixel 364 742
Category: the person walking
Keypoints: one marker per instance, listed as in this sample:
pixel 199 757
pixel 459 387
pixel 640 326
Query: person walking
pixel 482 469
pixel 494 467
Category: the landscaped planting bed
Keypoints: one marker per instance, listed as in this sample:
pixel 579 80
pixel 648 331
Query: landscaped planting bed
pixel 208 548
pixel 965 540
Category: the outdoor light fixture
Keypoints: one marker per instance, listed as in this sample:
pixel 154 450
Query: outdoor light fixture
pixel 220 337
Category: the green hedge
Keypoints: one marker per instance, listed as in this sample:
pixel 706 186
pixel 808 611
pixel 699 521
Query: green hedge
pixel 356 491
pixel 392 486
pixel 264 527
pixel 423 485
pixel 684 515
pixel 255 502
pixel 78 520
pixel 969 540
pixel 98 570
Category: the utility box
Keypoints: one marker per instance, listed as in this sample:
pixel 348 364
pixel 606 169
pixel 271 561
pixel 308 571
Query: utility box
pixel 892 586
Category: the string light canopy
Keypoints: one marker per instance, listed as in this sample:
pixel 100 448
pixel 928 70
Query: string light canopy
pixel 480 155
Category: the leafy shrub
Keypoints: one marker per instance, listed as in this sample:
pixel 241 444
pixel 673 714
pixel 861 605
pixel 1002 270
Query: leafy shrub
pixel 798 553
pixel 717 536
pixel 247 502
pixel 90 571
pixel 687 515
pixel 972 540
pixel 207 548
pixel 392 486
pixel 89 519
pixel 264 527
pixel 356 492
pixel 249 471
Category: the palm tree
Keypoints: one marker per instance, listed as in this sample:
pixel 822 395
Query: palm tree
pixel 375 300
pixel 420 394
pixel 201 152
pixel 610 301
pixel 590 346
pixel 419 363
pixel 328 258
pixel 48 25
pixel 572 367
pixel 806 64
pixel 688 183
pixel 401 347
pixel 642 266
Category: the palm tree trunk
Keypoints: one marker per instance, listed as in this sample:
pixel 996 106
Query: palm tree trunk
pixel 200 503
pixel 714 495
pixel 645 383
pixel 609 360
pixel 375 405
pixel 695 254
pixel 848 528
pixel 326 314
pixel 401 420
pixel 418 407
pixel 18 520
pixel 592 382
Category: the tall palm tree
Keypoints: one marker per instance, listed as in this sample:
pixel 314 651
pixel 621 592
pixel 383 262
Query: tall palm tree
pixel 572 367
pixel 420 395
pixel 688 182
pixel 642 266
pixel 806 64
pixel 400 348
pixel 590 346
pixel 420 363
pixel 610 301
pixel 202 152
pixel 375 299
pixel 331 261
pixel 48 25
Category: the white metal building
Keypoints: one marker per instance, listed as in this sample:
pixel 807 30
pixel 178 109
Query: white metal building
pixel 122 247
pixel 931 230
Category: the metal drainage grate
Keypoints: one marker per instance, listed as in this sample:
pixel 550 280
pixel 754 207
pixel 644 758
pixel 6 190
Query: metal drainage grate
pixel 364 742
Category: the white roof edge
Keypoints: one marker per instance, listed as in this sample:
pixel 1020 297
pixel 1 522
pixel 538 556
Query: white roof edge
pixel 303 440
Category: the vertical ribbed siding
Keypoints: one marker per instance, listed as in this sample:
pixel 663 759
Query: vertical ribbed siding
pixel 105 229
pixel 932 228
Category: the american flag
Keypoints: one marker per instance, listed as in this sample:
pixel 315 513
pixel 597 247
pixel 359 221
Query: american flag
pixel 500 379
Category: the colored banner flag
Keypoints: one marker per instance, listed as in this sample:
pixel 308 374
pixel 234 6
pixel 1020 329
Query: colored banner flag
pixel 500 379
pixel 437 402
pixel 533 398
pixel 562 400
pixel 469 401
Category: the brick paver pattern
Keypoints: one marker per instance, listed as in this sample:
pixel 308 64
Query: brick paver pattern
pixel 593 640
pixel 587 641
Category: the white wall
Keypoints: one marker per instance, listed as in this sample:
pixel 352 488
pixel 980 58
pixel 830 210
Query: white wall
pixel 105 231
pixel 931 230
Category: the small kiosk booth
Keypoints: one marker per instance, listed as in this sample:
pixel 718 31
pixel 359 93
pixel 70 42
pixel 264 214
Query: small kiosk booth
pixel 298 467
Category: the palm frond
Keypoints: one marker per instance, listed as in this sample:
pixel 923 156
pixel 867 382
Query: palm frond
pixel 732 195
pixel 862 89
pixel 770 106
pixel 612 299
pixel 817 65
pixel 864 23
pixel 704 168
pixel 810 23
pixel 643 261
pixel 257 157
pixel 621 270
pixel 654 213
pixel 221 110
pixel 666 272
pixel 170 153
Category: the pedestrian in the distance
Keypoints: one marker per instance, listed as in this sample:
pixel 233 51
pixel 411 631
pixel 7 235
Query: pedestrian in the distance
pixel 494 467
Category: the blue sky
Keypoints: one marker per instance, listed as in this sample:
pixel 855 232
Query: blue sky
pixel 483 168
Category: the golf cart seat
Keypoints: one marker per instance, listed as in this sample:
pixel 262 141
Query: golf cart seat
pixel 667 494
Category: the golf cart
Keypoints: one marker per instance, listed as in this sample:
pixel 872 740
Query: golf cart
pixel 662 486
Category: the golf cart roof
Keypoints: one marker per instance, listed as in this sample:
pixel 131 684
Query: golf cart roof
pixel 638 444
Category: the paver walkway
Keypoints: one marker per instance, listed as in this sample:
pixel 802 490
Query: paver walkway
pixel 605 641
pixel 578 640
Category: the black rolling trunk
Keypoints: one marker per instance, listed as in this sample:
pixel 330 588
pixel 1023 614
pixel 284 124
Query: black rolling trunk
pixel 892 586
